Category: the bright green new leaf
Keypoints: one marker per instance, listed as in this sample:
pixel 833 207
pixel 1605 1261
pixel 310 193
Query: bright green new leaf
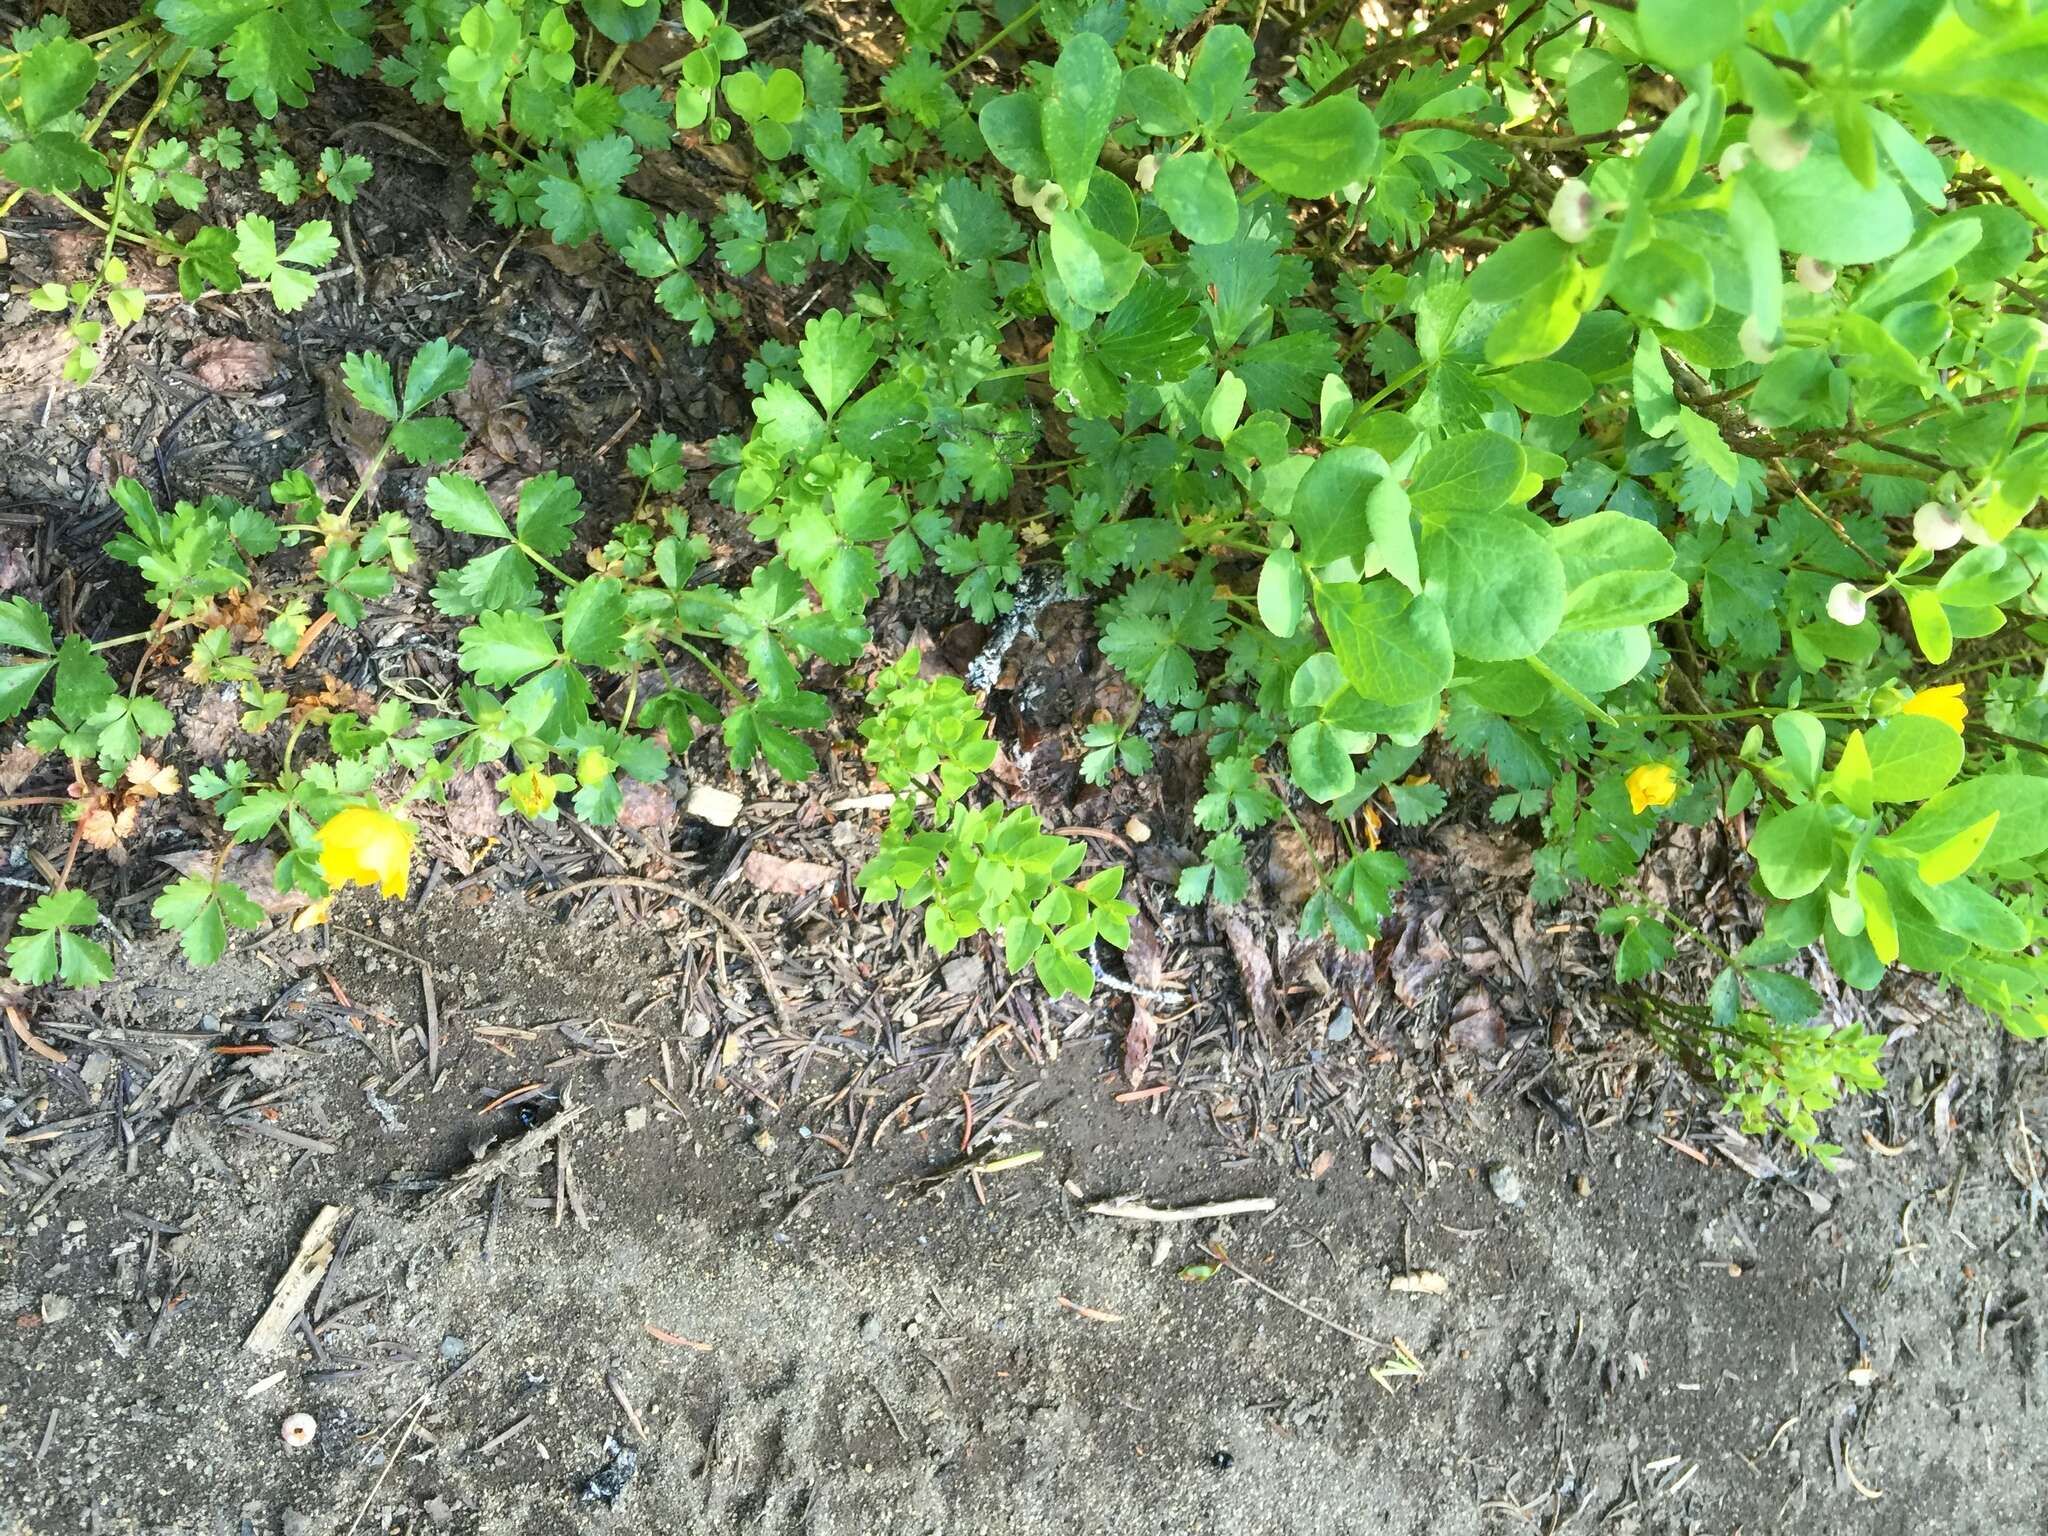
pixel 1912 758
pixel 1283 593
pixel 1472 472
pixel 1794 850
pixel 1097 269
pixel 1076 110
pixel 1314 151
pixel 1683 34
pixel 1196 193
pixel 1393 645
pixel 1958 856
pixel 1501 586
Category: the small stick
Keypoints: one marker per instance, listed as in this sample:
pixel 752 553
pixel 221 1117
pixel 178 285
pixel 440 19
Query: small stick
pixel 619 1396
pixel 504 1434
pixel 1129 1210
pixel 295 1289
pixel 676 1338
pixel 1216 1252
pixel 433 1025
pixel 50 1435
pixel 390 1461
pixel 1091 1313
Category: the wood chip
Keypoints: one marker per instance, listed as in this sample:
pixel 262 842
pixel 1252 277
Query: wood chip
pixel 1420 1282
pixel 720 807
pixel 316 1252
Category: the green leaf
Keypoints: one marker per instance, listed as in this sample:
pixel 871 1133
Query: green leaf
pixel 834 356
pixel 1959 855
pixel 1098 270
pixel 1472 472
pixel 1617 571
pixel 502 648
pixel 18 685
pixel 1195 191
pixel 1394 646
pixel 594 621
pixel 1595 91
pixel 1794 850
pixel 370 380
pixel 1309 152
pixel 1329 510
pixel 1501 586
pixel 2019 800
pixel 1319 764
pixel 1283 593
pixel 1820 209
pixel 1912 758
pixel 1159 101
pixel 54 78
pixel 1683 34
pixel 1076 110
pixel 1932 631
pixel 428 440
pixel 549 507
pixel 461 505
pixel 439 368
pixel 1219 72
pixel 25 627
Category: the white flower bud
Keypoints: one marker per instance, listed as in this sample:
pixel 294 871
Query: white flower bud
pixel 1574 211
pixel 1779 145
pixel 1734 159
pixel 1050 199
pixel 1814 276
pixel 1756 346
pixel 1936 526
pixel 1148 172
pixel 1845 604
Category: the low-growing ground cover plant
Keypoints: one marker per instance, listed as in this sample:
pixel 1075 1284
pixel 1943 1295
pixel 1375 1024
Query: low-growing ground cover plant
pixel 1638 400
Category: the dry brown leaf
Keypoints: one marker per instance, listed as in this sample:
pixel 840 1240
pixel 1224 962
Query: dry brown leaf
pixel 149 777
pixel 1477 1026
pixel 230 364
pixel 16 764
pixel 1254 969
pixel 1141 959
pixel 786 877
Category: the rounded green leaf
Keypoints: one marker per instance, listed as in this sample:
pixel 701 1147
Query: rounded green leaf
pixel 1310 151
pixel 1011 127
pixel 1196 193
pixel 1472 472
pixel 1097 269
pixel 1077 109
pixel 1283 593
pixel 1159 101
pixel 1329 512
pixel 1501 585
pixel 1318 763
pixel 1794 850
pixel 1393 646
pixel 1669 284
pixel 1595 91
pixel 1683 34
pixel 1820 209
pixel 1912 758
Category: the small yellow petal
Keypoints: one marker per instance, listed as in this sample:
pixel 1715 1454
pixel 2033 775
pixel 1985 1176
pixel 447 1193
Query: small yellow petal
pixel 367 846
pixel 1651 784
pixel 1944 703
pixel 313 915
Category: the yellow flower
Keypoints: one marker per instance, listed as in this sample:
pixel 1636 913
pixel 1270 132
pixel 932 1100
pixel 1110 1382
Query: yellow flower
pixel 1944 704
pixel 1651 784
pixel 366 846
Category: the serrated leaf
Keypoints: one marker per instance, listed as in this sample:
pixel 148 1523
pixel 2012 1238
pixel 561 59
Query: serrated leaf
pixel 461 505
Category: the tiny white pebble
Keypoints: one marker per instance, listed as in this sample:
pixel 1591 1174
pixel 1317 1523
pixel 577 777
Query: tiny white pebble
pixel 298 1430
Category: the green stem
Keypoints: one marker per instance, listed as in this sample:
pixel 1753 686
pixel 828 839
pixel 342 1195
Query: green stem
pixel 1023 17
pixel 713 668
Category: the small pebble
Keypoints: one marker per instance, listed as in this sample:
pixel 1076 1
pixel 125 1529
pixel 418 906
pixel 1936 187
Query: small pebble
pixel 299 1430
pixel 1506 1185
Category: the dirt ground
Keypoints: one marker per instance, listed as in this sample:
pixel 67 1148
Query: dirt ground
pixel 814 1254
pixel 1640 1336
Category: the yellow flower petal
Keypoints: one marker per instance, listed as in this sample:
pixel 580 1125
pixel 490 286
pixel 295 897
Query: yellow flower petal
pixel 366 846
pixel 313 915
pixel 1944 704
pixel 1651 784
